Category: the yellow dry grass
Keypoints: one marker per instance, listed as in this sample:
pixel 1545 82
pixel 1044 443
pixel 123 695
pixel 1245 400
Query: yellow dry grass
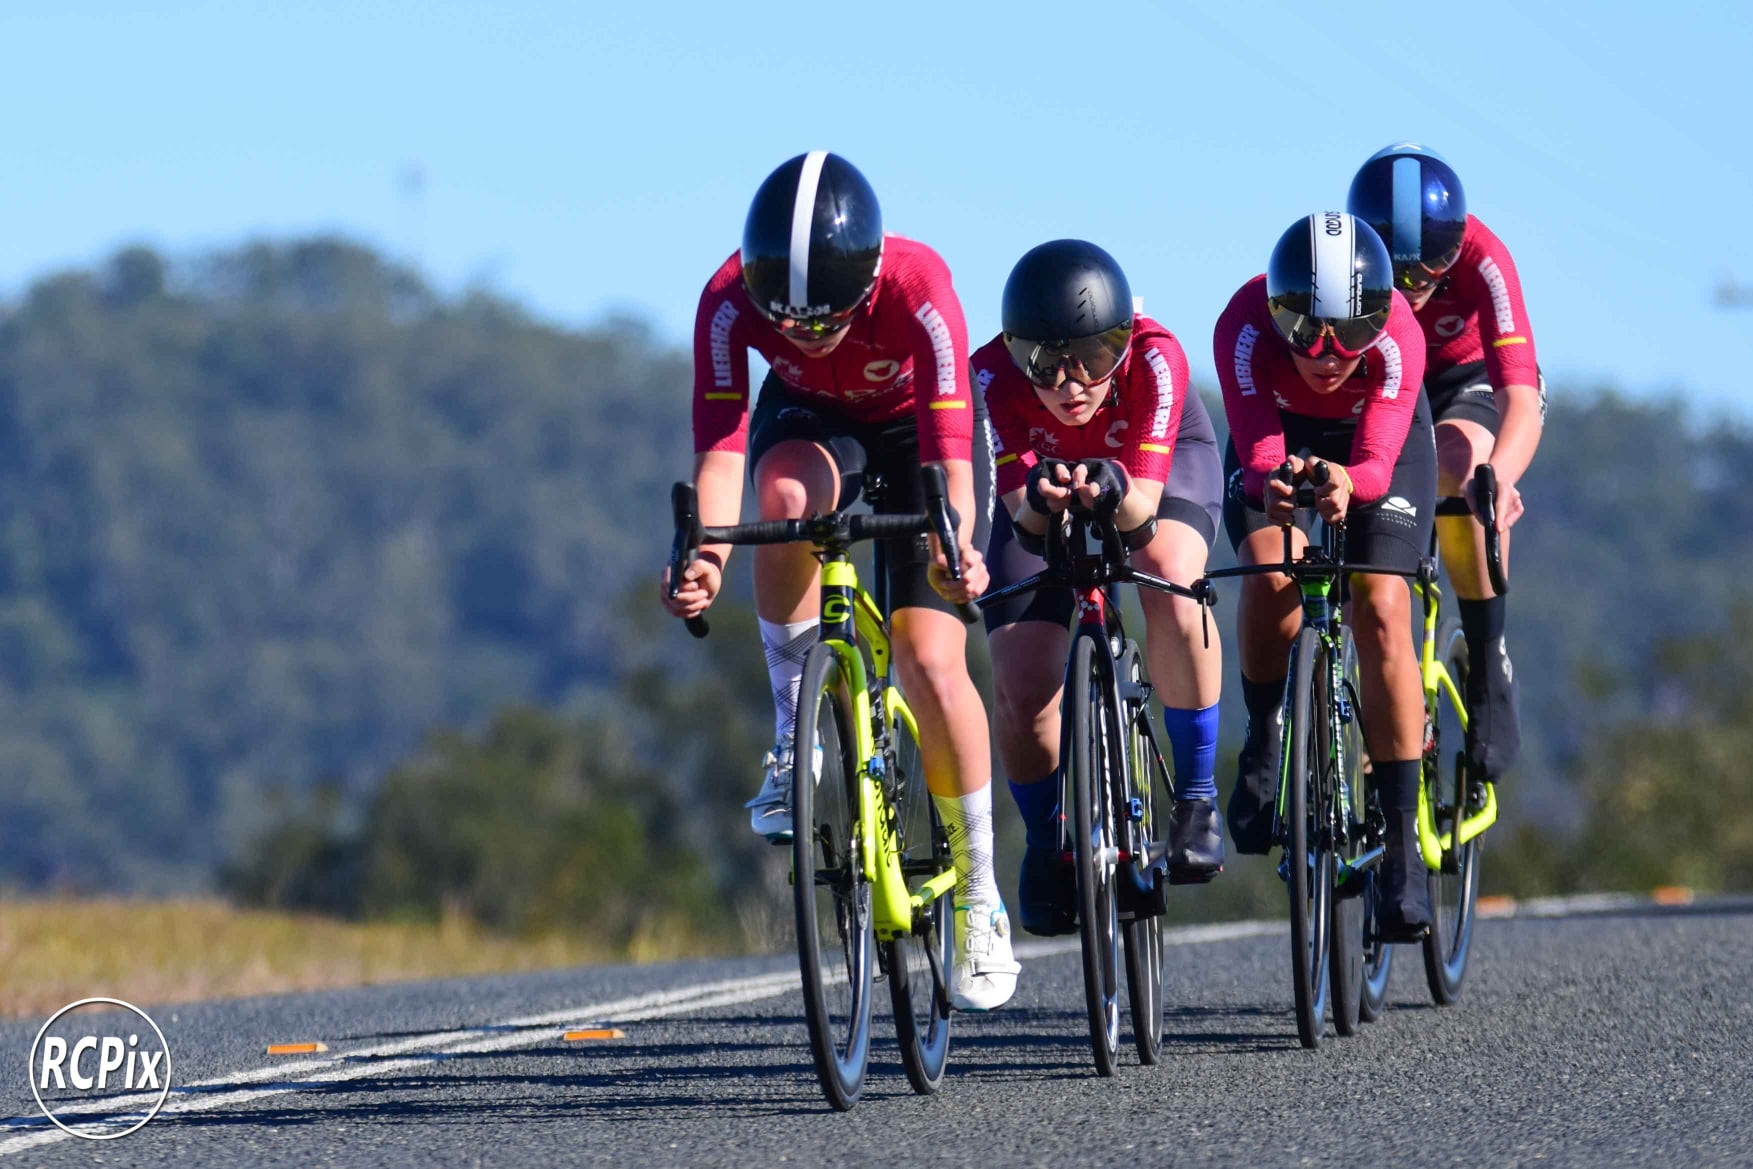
pixel 56 950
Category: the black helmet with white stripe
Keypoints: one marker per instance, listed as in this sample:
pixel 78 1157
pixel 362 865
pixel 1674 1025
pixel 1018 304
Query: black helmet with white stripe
pixel 1414 200
pixel 1329 280
pixel 1067 313
pixel 813 243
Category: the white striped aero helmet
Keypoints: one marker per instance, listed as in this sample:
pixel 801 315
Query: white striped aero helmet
pixel 812 244
pixel 1329 282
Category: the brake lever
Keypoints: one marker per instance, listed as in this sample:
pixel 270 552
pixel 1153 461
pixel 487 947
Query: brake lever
pixel 944 522
pixel 684 549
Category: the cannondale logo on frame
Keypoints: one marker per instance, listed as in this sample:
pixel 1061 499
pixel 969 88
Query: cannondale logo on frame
pixel 100 1068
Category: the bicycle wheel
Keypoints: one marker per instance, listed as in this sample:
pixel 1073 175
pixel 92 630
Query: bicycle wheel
pixel 835 945
pixel 1378 958
pixel 918 964
pixel 1309 865
pixel 1343 784
pixel 1142 935
pixel 1453 888
pixel 1089 752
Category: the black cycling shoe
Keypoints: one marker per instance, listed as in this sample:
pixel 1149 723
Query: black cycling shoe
pixel 1494 729
pixel 1403 912
pixel 1254 799
pixel 1047 893
pixel 1195 842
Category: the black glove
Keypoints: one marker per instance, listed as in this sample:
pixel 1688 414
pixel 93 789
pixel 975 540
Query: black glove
pixel 1112 478
pixel 1032 489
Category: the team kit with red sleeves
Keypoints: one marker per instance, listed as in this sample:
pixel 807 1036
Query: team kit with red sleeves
pixel 1371 329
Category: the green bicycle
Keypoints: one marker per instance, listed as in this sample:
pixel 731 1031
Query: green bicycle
pixel 872 878
pixel 1446 794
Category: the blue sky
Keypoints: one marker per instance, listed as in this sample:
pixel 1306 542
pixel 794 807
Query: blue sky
pixel 589 159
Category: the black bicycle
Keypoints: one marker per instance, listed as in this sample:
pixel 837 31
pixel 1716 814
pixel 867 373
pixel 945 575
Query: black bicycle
pixel 1109 759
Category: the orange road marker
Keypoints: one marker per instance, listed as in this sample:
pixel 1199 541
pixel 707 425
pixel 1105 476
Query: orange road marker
pixel 1499 906
pixel 1671 895
pixel 595 1033
pixel 297 1048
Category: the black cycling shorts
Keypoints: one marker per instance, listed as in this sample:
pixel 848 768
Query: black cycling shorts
pixel 1193 495
pixel 1463 392
pixel 1394 531
pixel 889 450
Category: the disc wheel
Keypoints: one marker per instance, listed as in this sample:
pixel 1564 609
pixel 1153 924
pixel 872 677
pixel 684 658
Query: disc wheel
pixel 1342 785
pixel 1455 886
pixel 835 944
pixel 1309 865
pixel 1089 751
pixel 918 963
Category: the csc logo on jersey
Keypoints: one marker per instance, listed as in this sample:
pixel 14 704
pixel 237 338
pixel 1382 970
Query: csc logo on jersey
pixel 881 371
pixel 1450 326
pixel 1042 439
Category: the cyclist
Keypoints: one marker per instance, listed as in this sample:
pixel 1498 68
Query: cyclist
pixel 1321 353
pixel 868 355
pixel 1076 375
pixel 1486 394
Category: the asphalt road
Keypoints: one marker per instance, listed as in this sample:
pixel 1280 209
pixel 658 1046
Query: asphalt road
pixel 1616 1037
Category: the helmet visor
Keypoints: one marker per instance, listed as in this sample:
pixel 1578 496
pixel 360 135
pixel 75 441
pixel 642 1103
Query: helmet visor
pixel 1309 336
pixel 1085 360
pixel 1418 275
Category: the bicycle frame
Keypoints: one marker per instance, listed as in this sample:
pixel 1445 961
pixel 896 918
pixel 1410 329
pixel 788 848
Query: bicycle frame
pixel 850 618
pixel 1438 684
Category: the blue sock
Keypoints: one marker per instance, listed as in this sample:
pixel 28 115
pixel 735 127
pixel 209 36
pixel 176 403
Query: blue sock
pixel 1039 805
pixel 1193 744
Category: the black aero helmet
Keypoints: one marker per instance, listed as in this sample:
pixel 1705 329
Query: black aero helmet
pixel 1329 279
pixel 1067 313
pixel 1413 199
pixel 813 242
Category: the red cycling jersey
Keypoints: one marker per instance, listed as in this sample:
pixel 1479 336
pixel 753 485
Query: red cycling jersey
pixel 1259 380
pixel 906 349
pixel 1136 424
pixel 1477 313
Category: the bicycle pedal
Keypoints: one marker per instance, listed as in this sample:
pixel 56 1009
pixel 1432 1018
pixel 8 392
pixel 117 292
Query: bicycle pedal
pixel 1193 876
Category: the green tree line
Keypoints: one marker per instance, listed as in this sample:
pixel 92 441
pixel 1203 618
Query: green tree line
pixel 321 581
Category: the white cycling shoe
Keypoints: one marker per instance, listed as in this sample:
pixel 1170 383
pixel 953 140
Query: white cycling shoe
pixel 770 810
pixel 983 976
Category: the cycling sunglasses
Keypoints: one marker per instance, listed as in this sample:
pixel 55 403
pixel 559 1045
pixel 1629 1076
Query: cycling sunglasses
pixel 1085 360
pixel 1309 336
pixel 1416 275
pixel 816 328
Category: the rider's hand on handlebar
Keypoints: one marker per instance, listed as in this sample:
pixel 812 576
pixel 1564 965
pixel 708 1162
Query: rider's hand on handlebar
pixel 1100 485
pixel 974 580
pixel 1054 481
pixel 1333 498
pixel 1281 496
pixel 1509 503
pixel 701 581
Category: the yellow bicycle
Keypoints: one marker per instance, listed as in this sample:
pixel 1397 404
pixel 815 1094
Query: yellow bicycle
pixel 872 873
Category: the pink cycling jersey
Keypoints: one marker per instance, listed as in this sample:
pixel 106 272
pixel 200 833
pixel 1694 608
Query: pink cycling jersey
pixel 1260 380
pixel 1477 313
pixel 906 350
pixel 1136 424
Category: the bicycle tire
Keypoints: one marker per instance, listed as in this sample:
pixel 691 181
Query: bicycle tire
pixel 1378 959
pixel 1142 937
pixel 1309 878
pixel 829 892
pixel 1087 753
pixel 917 992
pixel 1454 889
pixel 1344 788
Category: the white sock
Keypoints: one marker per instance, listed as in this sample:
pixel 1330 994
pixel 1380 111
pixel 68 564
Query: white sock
pixel 967 820
pixel 786 646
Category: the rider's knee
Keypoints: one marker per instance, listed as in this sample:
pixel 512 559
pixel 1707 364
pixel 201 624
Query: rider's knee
pixel 929 663
pixel 1381 615
pixel 791 483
